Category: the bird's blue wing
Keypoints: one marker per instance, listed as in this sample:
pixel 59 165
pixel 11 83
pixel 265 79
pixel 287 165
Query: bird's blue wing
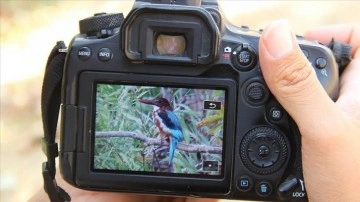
pixel 177 134
pixel 174 119
pixel 172 122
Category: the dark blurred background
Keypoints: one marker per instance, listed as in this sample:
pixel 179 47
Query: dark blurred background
pixel 29 29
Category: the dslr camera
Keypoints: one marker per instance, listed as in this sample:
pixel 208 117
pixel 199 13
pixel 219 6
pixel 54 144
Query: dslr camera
pixel 171 101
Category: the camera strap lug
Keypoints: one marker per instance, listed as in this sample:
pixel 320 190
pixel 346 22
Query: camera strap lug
pixel 342 53
pixel 50 149
pixel 50 106
pixel 62 50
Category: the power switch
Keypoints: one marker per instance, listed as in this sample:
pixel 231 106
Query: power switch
pixel 289 185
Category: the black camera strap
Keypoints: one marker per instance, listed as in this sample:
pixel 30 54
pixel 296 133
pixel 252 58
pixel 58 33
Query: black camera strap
pixel 342 53
pixel 50 106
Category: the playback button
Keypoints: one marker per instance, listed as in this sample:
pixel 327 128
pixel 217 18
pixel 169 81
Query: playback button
pixel 245 183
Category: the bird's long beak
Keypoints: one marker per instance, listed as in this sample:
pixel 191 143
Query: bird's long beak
pixel 149 102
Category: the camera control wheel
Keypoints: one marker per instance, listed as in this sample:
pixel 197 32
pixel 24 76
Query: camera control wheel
pixel 101 25
pixel 264 150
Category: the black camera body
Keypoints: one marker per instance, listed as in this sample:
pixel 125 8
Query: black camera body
pixel 171 101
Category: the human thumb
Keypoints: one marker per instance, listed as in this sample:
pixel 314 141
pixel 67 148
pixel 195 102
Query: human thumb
pixel 291 78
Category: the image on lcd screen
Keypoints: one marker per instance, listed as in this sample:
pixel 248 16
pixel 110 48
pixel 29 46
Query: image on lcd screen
pixel 159 129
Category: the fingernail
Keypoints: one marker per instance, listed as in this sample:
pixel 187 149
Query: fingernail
pixel 278 39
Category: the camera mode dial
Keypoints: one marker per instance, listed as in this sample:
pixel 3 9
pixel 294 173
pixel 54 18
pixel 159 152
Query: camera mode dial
pixel 244 57
pixel 101 25
pixel 264 150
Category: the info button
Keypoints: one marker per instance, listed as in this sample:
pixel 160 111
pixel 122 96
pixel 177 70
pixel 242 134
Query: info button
pixel 105 54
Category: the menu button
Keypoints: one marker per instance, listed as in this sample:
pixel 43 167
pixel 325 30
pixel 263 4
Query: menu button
pixel 84 53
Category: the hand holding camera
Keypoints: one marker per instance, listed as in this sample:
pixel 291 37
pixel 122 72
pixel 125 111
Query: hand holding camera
pixel 174 103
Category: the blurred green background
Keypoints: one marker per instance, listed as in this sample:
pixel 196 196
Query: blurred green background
pixel 29 29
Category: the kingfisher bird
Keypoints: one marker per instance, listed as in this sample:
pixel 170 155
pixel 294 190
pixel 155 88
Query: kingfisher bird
pixel 167 122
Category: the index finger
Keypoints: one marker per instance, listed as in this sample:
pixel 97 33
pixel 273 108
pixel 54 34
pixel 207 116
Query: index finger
pixel 346 33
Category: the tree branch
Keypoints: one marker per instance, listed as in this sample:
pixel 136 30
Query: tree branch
pixel 155 141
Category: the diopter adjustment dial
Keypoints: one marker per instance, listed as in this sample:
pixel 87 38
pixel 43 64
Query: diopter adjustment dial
pixel 264 150
pixel 101 24
pixel 215 15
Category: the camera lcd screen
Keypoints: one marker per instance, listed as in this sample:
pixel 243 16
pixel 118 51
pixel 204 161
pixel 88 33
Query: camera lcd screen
pixel 156 129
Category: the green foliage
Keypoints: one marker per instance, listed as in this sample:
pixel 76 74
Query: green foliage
pixel 118 109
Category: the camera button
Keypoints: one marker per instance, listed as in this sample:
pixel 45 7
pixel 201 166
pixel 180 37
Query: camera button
pixel 245 183
pixel 263 188
pixel 84 53
pixel 105 54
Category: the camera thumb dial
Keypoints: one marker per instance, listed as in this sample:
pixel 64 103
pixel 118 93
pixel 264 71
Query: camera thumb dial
pixel 264 150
